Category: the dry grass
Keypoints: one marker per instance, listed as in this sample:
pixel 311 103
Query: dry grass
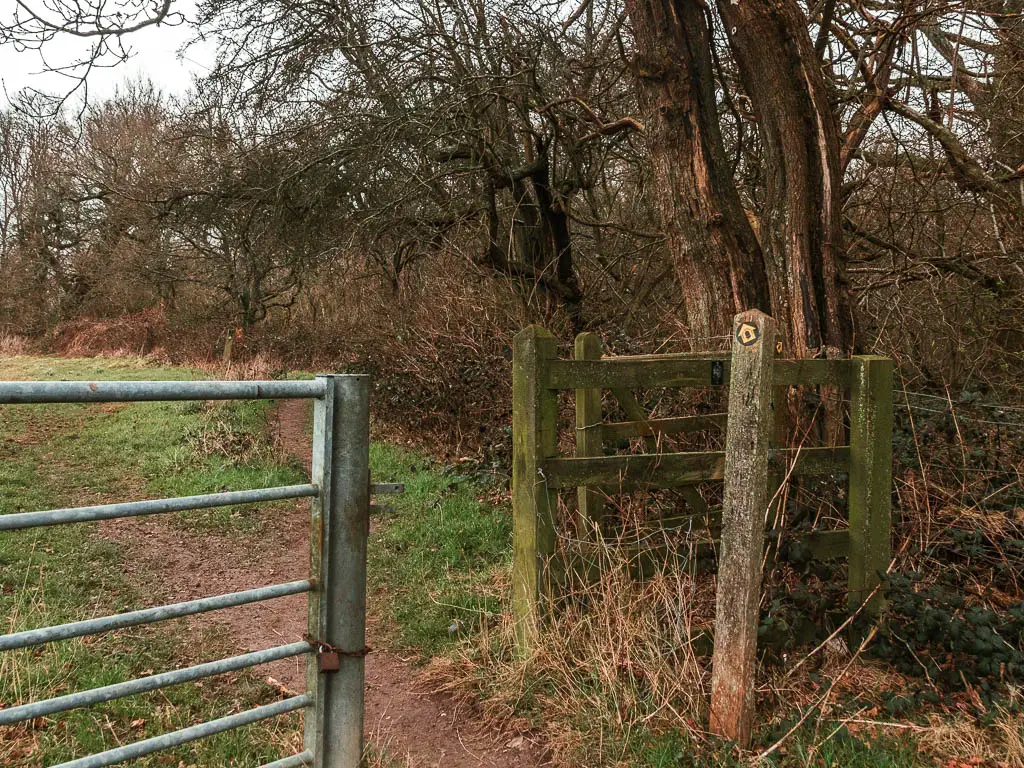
pixel 618 657
pixel 440 361
pixel 12 345
pixel 962 742
pixel 379 754
pixel 258 366
pixel 221 436
pixel 621 661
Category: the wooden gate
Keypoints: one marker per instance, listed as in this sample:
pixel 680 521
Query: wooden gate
pixel 752 466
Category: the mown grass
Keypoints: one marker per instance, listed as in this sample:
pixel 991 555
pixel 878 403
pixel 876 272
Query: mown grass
pixel 70 455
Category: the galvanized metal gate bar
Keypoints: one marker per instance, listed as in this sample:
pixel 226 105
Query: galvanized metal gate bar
pixel 186 735
pixel 151 683
pixel 340 491
pixel 24 392
pixel 338 532
pixel 43 635
pixel 295 761
pixel 21 520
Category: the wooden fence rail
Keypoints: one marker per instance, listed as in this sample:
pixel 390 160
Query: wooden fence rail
pixel 751 466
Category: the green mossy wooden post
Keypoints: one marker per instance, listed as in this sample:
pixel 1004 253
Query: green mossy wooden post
pixel 588 440
pixel 534 439
pixel 870 480
pixel 748 441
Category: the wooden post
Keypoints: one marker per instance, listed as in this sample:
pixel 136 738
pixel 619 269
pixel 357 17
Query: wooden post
pixel 748 441
pixel 534 438
pixel 339 528
pixel 588 439
pixel 870 480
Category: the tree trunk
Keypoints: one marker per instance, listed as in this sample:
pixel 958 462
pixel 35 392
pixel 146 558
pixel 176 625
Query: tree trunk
pixel 793 271
pixel 541 243
pixel 556 244
pixel 716 254
pixel 1006 118
pixel 801 220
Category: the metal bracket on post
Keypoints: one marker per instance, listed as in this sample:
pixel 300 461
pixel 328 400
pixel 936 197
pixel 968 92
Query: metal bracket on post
pixel 338 534
pixel 378 489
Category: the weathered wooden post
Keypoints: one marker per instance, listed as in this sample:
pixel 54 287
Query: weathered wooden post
pixel 870 480
pixel 588 439
pixel 747 445
pixel 339 528
pixel 534 439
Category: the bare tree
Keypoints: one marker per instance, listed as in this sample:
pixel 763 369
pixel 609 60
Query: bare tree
pixel 103 27
pixel 467 113
pixel 805 159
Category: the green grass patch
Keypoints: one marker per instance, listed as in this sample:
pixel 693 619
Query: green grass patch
pixel 434 559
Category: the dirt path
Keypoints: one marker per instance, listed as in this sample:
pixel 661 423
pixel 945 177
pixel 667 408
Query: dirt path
pixel 412 723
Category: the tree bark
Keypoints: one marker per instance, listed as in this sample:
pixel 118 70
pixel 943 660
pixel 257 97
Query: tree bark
pixel 793 271
pixel 1007 123
pixel 717 257
pixel 801 219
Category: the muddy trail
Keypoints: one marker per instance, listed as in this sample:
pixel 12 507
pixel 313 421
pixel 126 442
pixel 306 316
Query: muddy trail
pixel 412 724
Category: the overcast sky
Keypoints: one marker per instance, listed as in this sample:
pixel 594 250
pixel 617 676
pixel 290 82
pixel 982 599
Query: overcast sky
pixel 156 56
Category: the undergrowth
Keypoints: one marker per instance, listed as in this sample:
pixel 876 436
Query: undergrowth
pixel 620 668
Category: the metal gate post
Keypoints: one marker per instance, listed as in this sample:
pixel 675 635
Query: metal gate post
pixel 338 532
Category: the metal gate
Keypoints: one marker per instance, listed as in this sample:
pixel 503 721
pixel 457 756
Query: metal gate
pixel 336 642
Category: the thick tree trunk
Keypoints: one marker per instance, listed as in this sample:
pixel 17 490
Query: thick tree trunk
pixel 793 271
pixel 1006 118
pixel 801 220
pixel 716 253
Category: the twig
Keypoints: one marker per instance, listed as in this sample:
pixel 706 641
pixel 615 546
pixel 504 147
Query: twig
pixel 803 718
